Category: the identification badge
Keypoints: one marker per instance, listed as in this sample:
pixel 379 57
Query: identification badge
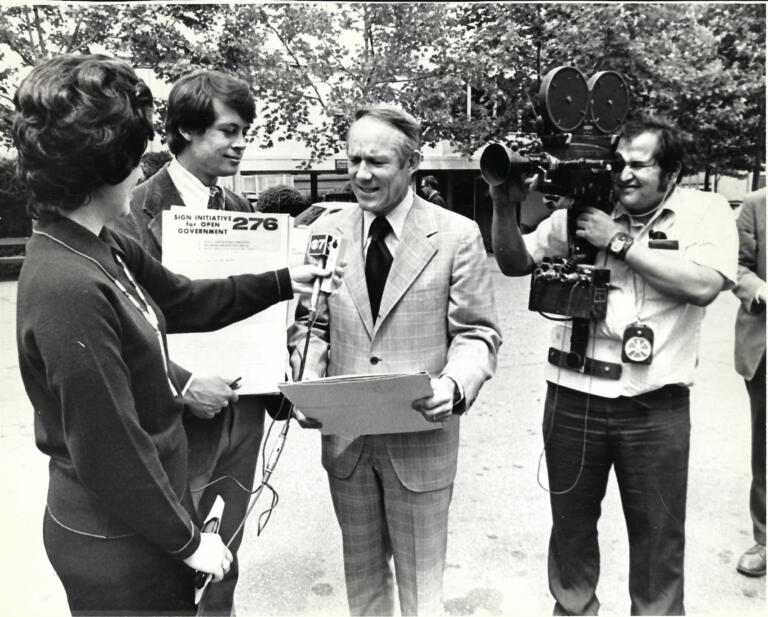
pixel 637 346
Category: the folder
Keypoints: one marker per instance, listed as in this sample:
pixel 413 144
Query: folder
pixel 363 404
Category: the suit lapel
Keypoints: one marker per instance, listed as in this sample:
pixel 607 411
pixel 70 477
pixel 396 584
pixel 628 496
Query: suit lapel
pixel 414 251
pixel 354 276
pixel 162 195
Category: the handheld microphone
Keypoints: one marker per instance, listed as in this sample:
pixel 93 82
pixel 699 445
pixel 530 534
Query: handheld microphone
pixel 327 250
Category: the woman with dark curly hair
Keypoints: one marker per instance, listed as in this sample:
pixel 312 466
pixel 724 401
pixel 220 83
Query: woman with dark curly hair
pixel 93 311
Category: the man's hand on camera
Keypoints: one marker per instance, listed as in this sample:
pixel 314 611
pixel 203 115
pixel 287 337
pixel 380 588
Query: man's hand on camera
pixel 512 191
pixel 596 227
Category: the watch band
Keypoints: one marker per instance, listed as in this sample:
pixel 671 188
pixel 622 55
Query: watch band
pixel 619 244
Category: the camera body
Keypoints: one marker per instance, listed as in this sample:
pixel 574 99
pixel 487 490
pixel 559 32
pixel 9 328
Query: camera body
pixel 577 123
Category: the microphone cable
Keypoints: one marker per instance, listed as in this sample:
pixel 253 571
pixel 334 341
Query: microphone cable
pixel 268 465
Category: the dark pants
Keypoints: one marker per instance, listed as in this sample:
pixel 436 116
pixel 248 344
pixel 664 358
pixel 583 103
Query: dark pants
pixel 122 576
pixel 756 390
pixel 646 439
pixel 227 445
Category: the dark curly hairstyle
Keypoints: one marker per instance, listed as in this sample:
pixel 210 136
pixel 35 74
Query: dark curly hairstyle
pixel 82 121
pixel 190 103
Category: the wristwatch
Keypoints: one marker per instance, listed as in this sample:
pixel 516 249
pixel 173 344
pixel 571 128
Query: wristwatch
pixel 619 244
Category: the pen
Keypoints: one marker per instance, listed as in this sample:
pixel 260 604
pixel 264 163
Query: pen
pixel 235 383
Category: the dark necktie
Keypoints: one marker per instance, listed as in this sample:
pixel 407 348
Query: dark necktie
pixel 216 198
pixel 377 263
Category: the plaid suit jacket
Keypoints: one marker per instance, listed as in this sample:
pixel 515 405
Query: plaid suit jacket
pixel 437 315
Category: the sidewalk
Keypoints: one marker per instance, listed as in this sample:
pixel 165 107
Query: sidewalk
pixel 500 518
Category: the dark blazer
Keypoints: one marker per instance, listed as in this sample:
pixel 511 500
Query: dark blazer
pixel 95 375
pixel 750 319
pixel 150 198
pixel 144 223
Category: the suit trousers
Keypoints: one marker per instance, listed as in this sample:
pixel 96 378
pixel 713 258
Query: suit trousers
pixel 227 446
pixel 117 576
pixel 645 438
pixel 381 519
pixel 756 390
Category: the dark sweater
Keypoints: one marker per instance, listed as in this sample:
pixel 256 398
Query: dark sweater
pixel 93 370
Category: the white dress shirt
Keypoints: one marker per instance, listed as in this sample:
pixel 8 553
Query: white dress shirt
pixel 396 218
pixel 193 192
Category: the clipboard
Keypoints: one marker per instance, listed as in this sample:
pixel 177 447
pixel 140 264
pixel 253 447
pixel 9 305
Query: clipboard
pixel 363 404
pixel 211 525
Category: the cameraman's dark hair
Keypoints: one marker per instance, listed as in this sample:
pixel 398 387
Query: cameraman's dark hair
pixel 82 121
pixel 430 181
pixel 400 120
pixel 190 103
pixel 671 149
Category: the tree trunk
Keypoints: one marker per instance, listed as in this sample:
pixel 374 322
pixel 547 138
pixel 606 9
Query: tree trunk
pixel 707 173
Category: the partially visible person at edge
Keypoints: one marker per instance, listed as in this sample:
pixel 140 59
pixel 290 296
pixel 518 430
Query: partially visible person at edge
pixel 93 310
pixel 614 413
pixel 209 114
pixel 429 190
pixel 749 353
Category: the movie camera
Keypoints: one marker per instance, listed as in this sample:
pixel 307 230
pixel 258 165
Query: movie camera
pixel 577 124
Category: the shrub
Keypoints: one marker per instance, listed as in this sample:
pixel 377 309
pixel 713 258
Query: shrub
pixel 281 199
pixel 14 219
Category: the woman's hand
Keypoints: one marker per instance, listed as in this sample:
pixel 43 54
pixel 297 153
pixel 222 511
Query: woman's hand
pixel 211 557
pixel 303 277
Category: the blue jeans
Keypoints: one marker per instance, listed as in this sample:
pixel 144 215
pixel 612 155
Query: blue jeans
pixel 646 440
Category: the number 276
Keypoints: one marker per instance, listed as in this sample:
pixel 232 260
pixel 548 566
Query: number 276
pixel 241 223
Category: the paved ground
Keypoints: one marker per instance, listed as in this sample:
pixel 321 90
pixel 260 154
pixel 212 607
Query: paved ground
pixel 499 517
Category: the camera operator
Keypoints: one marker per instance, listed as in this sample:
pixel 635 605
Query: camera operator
pixel 638 422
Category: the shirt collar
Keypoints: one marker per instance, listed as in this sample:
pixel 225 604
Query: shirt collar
pixel 671 203
pixel 194 193
pixel 396 217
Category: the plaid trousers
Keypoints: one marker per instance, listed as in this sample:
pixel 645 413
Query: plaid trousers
pixel 380 519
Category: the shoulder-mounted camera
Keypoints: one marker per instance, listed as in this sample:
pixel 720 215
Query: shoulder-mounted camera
pixel 578 121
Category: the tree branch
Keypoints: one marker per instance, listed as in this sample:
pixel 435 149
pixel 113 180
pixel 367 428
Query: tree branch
pixel 73 36
pixel 293 55
pixel 38 28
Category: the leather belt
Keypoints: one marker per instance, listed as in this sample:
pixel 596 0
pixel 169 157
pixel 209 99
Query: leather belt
pixel 596 368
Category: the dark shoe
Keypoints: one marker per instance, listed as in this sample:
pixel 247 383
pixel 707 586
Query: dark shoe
pixel 752 563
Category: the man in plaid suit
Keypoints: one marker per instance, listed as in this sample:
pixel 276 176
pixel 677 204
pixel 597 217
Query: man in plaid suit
pixel 434 313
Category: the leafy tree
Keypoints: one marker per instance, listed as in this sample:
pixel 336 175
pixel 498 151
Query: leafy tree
pixel 312 64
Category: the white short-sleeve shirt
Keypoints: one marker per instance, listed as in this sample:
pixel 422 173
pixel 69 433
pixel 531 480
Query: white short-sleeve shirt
pixel 705 229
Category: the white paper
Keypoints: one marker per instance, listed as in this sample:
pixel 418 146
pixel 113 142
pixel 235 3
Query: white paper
pixel 215 244
pixel 363 404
